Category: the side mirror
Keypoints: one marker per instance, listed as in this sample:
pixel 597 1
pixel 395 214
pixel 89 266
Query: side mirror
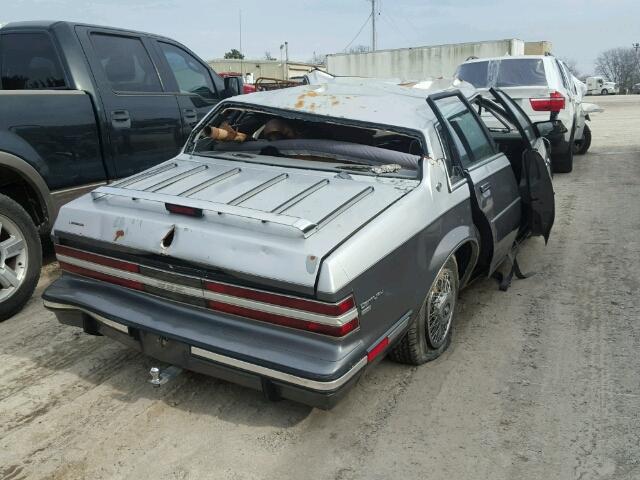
pixel 550 128
pixel 232 86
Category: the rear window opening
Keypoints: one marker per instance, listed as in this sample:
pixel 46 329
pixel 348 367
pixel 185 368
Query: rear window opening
pixel 247 132
pixel 508 72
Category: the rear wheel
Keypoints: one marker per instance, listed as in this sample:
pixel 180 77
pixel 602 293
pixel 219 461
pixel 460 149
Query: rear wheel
pixel 605 91
pixel 580 147
pixel 20 257
pixel 429 334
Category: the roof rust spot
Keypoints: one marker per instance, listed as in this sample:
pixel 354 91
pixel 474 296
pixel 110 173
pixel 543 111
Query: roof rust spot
pixel 311 93
pixel 299 104
pixel 119 234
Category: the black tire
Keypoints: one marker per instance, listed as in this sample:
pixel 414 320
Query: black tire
pixel 580 147
pixel 604 91
pixel 17 281
pixel 420 345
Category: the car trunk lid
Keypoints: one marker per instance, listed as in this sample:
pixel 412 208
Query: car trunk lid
pixel 251 219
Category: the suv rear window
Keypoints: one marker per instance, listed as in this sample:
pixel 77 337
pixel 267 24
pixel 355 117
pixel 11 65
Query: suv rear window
pixel 29 61
pixel 514 72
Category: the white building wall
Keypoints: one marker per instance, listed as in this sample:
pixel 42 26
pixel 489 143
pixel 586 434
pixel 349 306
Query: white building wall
pixel 411 64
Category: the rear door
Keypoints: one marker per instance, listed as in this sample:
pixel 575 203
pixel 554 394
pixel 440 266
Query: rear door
pixel 494 191
pixel 142 118
pixel 535 185
pixel 196 87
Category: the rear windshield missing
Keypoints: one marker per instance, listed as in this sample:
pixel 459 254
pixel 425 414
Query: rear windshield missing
pixel 313 142
pixel 509 72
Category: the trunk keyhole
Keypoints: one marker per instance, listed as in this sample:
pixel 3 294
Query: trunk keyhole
pixel 168 238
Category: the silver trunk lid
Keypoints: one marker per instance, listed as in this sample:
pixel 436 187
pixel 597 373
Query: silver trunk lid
pixel 258 220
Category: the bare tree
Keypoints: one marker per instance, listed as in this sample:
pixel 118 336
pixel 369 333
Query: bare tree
pixel 318 59
pixel 572 65
pixel 619 65
pixel 360 49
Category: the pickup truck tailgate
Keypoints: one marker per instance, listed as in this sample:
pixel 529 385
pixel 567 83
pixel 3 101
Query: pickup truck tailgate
pixel 254 219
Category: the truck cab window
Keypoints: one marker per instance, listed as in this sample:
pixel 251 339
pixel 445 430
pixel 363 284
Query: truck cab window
pixel 126 64
pixel 29 61
pixel 191 76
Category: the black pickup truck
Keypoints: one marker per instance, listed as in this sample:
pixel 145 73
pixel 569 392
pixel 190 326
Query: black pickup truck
pixel 80 106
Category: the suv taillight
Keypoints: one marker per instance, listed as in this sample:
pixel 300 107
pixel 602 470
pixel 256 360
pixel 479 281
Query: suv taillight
pixel 553 103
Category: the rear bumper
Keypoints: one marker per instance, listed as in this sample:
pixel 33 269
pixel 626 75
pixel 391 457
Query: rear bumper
pixel 196 340
pixel 558 139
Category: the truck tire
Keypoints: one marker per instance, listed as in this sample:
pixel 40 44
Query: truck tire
pixel 580 147
pixel 20 257
pixel 604 91
pixel 430 332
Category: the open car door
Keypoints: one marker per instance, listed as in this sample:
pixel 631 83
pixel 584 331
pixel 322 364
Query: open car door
pixel 536 186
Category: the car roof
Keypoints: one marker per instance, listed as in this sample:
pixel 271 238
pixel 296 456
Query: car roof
pixel 508 57
pixel 50 24
pixel 362 100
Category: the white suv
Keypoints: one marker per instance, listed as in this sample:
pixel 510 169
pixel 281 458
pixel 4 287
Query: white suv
pixel 542 86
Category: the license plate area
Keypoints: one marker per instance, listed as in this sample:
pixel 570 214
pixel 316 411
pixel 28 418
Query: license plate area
pixel 163 348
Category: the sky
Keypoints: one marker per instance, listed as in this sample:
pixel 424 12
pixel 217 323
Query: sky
pixel 579 30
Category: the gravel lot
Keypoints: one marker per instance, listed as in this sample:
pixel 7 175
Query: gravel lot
pixel 541 382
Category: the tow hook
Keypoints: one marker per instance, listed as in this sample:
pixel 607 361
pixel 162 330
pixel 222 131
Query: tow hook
pixel 159 377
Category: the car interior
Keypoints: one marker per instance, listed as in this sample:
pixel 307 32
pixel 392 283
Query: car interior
pixel 321 140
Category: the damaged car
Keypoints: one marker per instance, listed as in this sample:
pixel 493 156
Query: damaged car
pixel 303 234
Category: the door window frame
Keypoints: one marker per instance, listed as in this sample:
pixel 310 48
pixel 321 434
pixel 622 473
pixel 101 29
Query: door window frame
pixel 103 74
pixel 431 100
pixel 173 81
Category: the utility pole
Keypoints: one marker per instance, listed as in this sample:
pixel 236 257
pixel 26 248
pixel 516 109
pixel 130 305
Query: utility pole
pixel 373 25
pixel 241 60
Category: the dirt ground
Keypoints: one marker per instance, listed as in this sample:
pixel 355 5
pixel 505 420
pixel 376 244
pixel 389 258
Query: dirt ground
pixel 541 382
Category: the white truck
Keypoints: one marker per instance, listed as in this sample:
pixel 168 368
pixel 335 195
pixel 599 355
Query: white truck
pixel 600 86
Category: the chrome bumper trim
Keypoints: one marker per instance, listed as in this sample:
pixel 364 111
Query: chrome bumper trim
pixel 201 353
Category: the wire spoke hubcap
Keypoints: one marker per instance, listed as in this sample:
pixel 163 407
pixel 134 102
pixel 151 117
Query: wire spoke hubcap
pixel 440 306
pixel 13 258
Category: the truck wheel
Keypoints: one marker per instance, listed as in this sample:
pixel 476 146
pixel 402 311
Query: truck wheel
pixel 605 91
pixel 20 257
pixel 429 334
pixel 580 147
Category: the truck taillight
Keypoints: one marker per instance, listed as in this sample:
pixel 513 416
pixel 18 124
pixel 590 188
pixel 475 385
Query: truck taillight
pixel 553 103
pixel 334 319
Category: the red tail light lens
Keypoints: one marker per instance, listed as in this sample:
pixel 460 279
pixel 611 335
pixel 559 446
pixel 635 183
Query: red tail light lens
pixel 93 258
pixel 332 330
pixel 182 210
pixel 553 103
pixel 298 310
pixel 62 252
pixel 331 309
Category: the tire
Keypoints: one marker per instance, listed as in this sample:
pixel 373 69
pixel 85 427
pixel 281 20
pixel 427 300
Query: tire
pixel 20 257
pixel 423 343
pixel 604 91
pixel 580 147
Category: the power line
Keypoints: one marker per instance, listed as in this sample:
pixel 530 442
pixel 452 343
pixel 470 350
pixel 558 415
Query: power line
pixel 357 34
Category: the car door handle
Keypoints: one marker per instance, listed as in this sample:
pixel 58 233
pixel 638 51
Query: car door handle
pixel 190 116
pixel 485 187
pixel 120 119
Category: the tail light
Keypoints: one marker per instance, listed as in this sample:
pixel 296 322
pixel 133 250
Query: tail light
pixel 66 257
pixel 553 103
pixel 334 319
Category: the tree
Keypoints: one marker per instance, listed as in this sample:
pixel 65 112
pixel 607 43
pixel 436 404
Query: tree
pixel 318 59
pixel 359 49
pixel 268 56
pixel 234 53
pixel 619 65
pixel 572 65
